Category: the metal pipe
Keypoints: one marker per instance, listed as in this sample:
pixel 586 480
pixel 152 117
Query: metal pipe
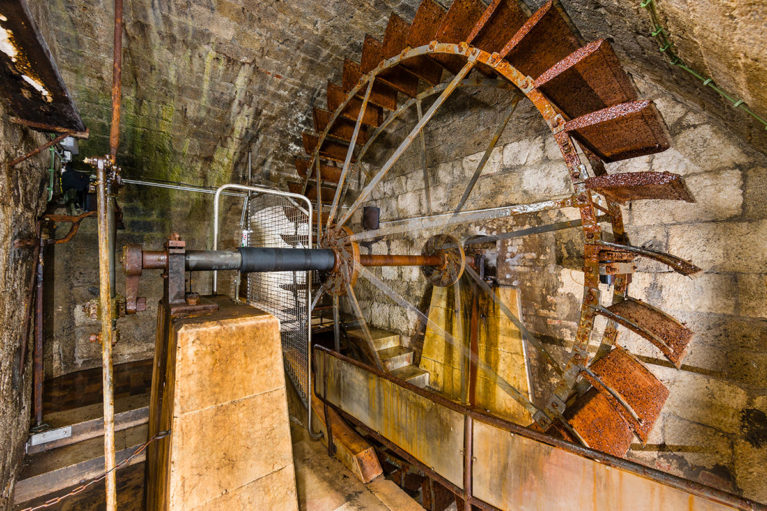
pixel 468 461
pixel 400 260
pixel 248 188
pixel 106 316
pixel 38 355
pixel 336 324
pixel 117 65
pixel 180 187
pixel 41 148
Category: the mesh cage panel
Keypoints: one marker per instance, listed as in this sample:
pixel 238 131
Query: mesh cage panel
pixel 280 222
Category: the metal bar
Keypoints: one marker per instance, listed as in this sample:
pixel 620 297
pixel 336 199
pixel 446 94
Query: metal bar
pixel 49 127
pixel 349 152
pixel 319 194
pixel 468 460
pixel 336 324
pixel 559 226
pixel 458 312
pixel 486 156
pixel 473 347
pixel 480 415
pixel 426 183
pixel 38 352
pixel 107 329
pixel 180 187
pixel 445 219
pixel 117 65
pixel 364 194
pixel 400 260
pixel 36 151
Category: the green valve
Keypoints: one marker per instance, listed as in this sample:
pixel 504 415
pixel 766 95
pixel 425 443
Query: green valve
pixel 646 3
pixel 707 81
pixel 658 30
pixel 737 103
pixel 665 47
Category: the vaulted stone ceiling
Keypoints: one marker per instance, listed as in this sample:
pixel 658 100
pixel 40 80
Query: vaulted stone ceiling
pixel 205 81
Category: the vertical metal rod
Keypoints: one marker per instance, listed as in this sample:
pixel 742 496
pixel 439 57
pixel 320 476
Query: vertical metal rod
pixel 459 331
pixel 38 355
pixel 336 325
pixel 364 194
pixel 117 64
pixel 319 197
pixel 468 461
pixel 349 152
pixel 426 183
pixel 473 345
pixel 106 316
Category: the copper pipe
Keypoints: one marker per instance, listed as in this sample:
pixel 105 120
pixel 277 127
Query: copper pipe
pixel 41 148
pixel 38 351
pixel 401 260
pixel 473 346
pixel 117 64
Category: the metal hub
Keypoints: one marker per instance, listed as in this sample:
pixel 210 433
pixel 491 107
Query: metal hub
pixel 344 274
pixel 453 260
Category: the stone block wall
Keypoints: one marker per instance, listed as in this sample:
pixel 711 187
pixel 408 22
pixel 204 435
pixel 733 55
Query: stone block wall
pixel 713 426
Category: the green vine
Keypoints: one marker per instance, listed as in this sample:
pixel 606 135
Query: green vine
pixel 667 48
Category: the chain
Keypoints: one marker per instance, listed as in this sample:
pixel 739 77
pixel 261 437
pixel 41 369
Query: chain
pixel 83 487
pixel 667 48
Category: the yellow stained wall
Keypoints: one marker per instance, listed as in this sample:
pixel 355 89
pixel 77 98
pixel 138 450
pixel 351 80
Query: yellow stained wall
pixel 500 347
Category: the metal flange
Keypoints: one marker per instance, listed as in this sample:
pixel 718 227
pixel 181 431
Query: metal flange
pixel 453 260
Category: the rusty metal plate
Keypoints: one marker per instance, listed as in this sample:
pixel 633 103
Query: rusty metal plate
pixel 311 191
pixel 622 131
pixel 336 96
pixel 396 78
pixel 342 129
pixel 630 186
pixel 665 332
pixel 329 173
pixel 456 26
pixel 521 474
pixel 331 149
pixel 543 40
pixel 587 80
pixel 30 82
pixel 599 424
pixel 431 433
pixel 500 21
pixel 422 31
pixel 381 95
pixel 636 386
pixel 395 37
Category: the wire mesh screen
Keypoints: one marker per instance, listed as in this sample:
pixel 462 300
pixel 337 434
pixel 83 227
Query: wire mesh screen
pixel 275 221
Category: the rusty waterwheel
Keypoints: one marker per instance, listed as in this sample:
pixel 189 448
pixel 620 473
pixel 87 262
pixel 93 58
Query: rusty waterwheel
pixel 588 102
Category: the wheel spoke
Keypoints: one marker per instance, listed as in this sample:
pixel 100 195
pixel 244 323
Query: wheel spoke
pixel 336 325
pixel 349 152
pixel 459 328
pixel 486 156
pixel 365 193
pixel 363 325
pixel 426 184
pixel 502 383
pixel 559 226
pixel 317 297
pixel 418 224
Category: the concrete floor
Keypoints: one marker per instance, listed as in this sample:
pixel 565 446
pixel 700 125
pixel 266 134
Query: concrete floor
pixel 324 484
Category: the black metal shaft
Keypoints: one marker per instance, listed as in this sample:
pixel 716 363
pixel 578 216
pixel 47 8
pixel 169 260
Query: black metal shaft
pixel 255 259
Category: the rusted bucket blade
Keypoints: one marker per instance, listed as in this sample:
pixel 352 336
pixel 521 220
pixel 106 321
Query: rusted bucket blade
pixel 678 264
pixel 587 80
pixel 427 20
pixel 330 149
pixel 541 42
pixel 599 424
pixel 342 129
pixel 499 22
pixel 641 185
pixel 381 95
pixel 622 131
pixel 640 395
pixel 336 97
pixel 396 78
pixel 328 173
pixel 311 191
pixel 665 332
